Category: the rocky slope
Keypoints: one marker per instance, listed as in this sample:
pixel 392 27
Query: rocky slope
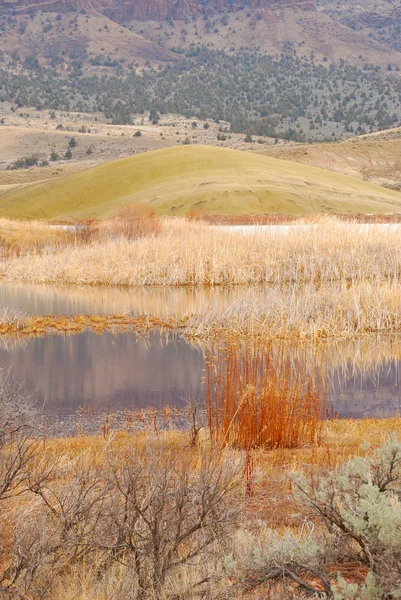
pixel 322 27
pixel 73 36
pixel 154 10
pixel 157 10
pixel 376 19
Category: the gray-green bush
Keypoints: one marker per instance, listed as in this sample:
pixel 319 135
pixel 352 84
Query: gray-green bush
pixel 353 526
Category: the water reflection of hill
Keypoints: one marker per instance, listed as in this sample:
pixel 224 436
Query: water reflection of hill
pixel 376 394
pixel 109 372
pixel 105 372
pixel 160 302
pixel 363 375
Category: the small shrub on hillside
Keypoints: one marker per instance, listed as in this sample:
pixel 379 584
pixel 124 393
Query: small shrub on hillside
pixel 24 163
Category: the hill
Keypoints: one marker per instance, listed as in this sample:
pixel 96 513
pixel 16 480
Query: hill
pixel 154 10
pixel 379 20
pixel 100 31
pixel 177 181
pixel 276 69
pixel 69 40
pixel 279 28
pixel 374 157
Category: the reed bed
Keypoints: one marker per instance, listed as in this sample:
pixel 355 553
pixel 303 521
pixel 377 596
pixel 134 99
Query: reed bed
pixel 19 238
pixel 281 218
pixel 256 398
pixel 190 253
pixel 336 311
pixel 20 325
pixel 306 312
pixel 22 238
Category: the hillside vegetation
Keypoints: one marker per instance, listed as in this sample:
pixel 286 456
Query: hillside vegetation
pixel 292 97
pixel 177 181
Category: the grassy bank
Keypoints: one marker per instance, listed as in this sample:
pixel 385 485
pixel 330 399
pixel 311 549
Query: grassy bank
pixel 19 325
pixel 303 313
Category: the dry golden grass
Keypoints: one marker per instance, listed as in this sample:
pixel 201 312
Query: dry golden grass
pixel 23 326
pixel 18 238
pixel 327 278
pixel 193 253
pixel 340 439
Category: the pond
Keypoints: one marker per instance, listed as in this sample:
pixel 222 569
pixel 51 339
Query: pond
pixel 107 372
pixel 112 372
pixel 158 302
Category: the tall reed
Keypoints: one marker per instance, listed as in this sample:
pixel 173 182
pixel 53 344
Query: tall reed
pixel 256 397
pixel 191 253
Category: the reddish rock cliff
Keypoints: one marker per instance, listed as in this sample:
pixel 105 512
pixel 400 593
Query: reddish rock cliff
pixel 154 10
pixel 157 10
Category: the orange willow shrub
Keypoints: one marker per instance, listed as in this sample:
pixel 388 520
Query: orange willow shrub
pixel 256 396
pixel 132 222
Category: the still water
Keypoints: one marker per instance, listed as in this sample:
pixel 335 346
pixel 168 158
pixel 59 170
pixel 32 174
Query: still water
pixel 108 372
pixel 158 302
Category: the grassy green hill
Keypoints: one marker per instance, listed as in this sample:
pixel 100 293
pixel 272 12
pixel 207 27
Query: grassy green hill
pixel 175 181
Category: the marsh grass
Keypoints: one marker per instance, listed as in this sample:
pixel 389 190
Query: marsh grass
pixel 15 324
pixel 295 313
pixel 131 222
pixel 285 219
pixel 326 279
pixel 332 311
pixel 191 253
pixel 23 238
pixel 20 238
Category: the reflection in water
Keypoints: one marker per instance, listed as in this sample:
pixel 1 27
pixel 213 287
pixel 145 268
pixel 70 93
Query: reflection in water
pixel 110 372
pixel 376 393
pixel 105 372
pixel 159 302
